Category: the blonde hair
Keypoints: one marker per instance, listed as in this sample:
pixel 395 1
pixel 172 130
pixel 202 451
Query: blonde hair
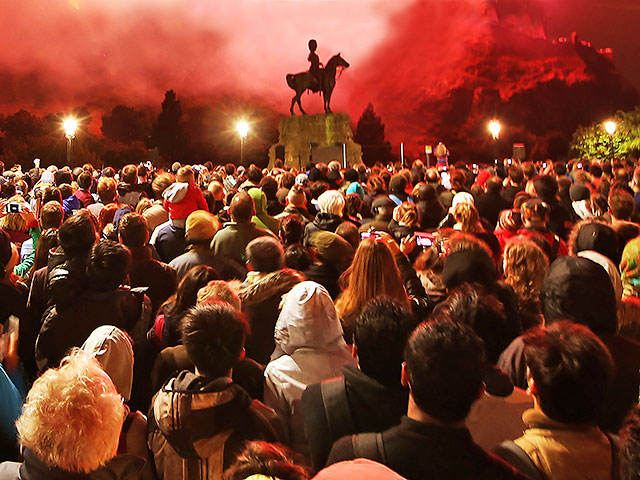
pixel 144 204
pixel 73 416
pixel 525 265
pixel 467 216
pixel 13 222
pixel 408 214
pixel 185 174
pixel 373 273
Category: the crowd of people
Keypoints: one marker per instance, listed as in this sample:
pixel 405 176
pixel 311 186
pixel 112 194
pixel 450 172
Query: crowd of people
pixel 210 322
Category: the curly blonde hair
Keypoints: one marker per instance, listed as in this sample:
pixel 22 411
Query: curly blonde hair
pixel 408 214
pixel 467 216
pixel 525 265
pixel 73 416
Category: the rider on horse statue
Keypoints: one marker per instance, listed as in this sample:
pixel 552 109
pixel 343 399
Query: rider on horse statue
pixel 315 69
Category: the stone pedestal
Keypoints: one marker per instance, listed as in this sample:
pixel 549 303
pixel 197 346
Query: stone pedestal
pixel 319 138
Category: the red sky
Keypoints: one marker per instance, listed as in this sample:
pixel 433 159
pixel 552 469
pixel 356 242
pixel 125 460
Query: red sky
pixel 57 54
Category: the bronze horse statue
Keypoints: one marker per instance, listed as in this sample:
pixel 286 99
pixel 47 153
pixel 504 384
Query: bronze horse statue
pixel 305 81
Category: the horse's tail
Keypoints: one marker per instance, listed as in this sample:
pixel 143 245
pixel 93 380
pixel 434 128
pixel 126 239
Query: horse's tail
pixel 290 77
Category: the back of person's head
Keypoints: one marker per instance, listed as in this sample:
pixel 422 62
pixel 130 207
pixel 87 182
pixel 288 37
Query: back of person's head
pixel 571 369
pixel 185 174
pixel 85 179
pixel 469 261
pixel 161 182
pixel 130 174
pixel 444 365
pixel 467 216
pixel 63 176
pixel 77 234
pixel 621 204
pixel 535 212
pixel 629 446
pixel 291 230
pixel 213 335
pixel 51 194
pixel 242 207
pixel 458 179
pixel 474 306
pixel 331 201
pixel 230 169
pixel 218 291
pixel 287 180
pixel 349 231
pixel 262 460
pixel 187 292
pixel 107 189
pixel 579 290
pixel 380 336
pixel 51 215
pixel 296 256
pixel 108 265
pixel 133 230
pixel 254 174
pixel 597 235
pixel 200 227
pixel 516 175
pixel 66 190
pixel 265 254
pixel 525 265
pixel 546 187
pixel 407 214
pixel 560 169
pixel 494 184
pixel 73 416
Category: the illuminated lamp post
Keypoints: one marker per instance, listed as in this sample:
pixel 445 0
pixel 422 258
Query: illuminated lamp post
pixel 611 127
pixel 70 126
pixel 243 129
pixel 494 130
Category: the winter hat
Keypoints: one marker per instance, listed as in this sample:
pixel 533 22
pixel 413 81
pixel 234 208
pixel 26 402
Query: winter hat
pixel 302 179
pixel 332 248
pixel 469 266
pixel 579 192
pixel 200 226
pixel 630 268
pixel 397 184
pixel 112 348
pixel 296 197
pixel 609 267
pixel 599 237
pixel 579 290
pixel 461 197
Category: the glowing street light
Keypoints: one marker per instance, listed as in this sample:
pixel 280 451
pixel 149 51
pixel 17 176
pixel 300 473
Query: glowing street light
pixel 494 129
pixel 70 126
pixel 243 129
pixel 610 127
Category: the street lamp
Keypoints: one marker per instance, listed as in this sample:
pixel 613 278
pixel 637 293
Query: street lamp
pixel 243 129
pixel 70 126
pixel 494 129
pixel 611 127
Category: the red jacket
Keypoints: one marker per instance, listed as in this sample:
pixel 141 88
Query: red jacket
pixel 180 199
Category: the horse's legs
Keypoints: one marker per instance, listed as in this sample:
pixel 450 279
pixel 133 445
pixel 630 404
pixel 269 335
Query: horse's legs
pixel 327 101
pixel 293 102
pixel 300 104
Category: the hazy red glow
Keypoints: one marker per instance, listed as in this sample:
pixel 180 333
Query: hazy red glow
pixel 406 55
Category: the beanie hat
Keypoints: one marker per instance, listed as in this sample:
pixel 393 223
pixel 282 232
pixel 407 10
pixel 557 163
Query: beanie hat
pixel 609 267
pixel 296 197
pixel 469 266
pixel 397 184
pixel 200 226
pixel 599 237
pixel 302 179
pixel 579 192
pixel 332 248
pixel 579 290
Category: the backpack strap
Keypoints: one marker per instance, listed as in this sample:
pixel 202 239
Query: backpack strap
pixel 518 458
pixel 369 445
pixel 336 407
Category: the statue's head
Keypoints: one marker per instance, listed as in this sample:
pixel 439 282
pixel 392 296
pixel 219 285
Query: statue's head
pixel 313 45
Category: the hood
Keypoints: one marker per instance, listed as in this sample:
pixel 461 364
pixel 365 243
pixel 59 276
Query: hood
pixel 197 414
pixel 327 221
pixel 259 287
pixel 609 267
pixel 175 192
pixel 259 199
pixel 112 348
pixel 308 320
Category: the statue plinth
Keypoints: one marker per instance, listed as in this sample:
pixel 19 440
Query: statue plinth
pixel 319 138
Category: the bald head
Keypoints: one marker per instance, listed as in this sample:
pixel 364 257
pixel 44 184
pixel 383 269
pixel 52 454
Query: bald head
pixel 242 207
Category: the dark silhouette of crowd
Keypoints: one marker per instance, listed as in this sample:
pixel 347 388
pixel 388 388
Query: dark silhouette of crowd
pixel 416 322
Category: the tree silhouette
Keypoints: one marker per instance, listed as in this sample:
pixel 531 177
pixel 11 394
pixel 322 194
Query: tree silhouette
pixel 168 133
pixel 125 124
pixel 370 135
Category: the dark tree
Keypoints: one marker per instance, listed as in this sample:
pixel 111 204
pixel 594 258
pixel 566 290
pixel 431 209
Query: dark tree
pixel 126 125
pixel 370 135
pixel 22 124
pixel 167 133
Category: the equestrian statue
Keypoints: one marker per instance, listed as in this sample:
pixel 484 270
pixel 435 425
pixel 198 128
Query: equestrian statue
pixel 316 79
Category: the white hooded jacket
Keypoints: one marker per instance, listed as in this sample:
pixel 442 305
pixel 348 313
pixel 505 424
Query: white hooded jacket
pixel 309 349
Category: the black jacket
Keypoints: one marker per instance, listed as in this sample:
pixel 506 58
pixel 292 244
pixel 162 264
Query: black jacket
pixel 420 451
pixel 328 222
pixel 373 407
